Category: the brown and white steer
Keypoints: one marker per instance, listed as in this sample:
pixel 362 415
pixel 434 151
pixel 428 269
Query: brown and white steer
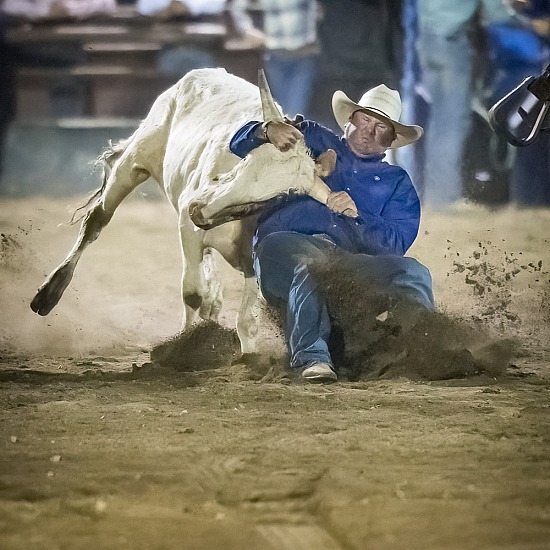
pixel 183 145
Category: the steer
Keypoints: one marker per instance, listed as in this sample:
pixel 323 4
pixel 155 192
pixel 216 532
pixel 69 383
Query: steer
pixel 183 145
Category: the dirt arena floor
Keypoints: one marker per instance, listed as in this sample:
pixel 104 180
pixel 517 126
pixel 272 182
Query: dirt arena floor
pixel 101 448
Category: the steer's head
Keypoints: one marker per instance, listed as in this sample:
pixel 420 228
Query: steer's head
pixel 264 178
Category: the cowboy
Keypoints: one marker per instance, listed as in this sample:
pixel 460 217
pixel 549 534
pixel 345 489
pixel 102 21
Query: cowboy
pixel 371 216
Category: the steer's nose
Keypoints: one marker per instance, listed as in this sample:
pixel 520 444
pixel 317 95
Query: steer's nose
pixel 196 215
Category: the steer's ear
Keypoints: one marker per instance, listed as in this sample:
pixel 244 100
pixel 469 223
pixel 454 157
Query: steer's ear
pixel 271 111
pixel 325 163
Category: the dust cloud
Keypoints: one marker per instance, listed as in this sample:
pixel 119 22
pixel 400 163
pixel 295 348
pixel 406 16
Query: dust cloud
pixel 125 292
pixel 377 336
pixel 490 272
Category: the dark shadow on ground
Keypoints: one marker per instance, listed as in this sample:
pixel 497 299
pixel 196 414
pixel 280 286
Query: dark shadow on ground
pixel 147 371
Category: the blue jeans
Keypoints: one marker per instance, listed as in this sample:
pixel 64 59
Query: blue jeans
pixel 281 263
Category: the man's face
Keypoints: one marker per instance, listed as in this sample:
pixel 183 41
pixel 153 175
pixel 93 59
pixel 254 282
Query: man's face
pixel 368 135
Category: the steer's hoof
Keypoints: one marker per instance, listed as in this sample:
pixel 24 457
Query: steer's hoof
pixel 50 292
pixel 42 302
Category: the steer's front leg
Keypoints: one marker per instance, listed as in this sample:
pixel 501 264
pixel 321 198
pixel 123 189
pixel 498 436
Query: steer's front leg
pixel 247 317
pixel 192 279
pixel 213 298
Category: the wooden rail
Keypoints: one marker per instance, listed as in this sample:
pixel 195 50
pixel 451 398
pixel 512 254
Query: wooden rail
pixel 117 71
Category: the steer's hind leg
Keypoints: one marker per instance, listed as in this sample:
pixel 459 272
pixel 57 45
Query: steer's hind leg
pixel 125 177
pixel 50 292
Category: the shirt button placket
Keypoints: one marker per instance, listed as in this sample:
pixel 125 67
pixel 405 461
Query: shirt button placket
pixel 354 173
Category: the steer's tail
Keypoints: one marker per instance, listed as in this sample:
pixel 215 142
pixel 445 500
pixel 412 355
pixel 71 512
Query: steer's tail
pixel 129 162
pixel 105 161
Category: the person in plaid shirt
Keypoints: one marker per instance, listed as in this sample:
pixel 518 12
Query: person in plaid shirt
pixel 291 46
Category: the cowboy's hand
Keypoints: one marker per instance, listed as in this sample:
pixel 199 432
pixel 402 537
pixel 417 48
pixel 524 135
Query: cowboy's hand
pixel 282 135
pixel 541 26
pixel 341 203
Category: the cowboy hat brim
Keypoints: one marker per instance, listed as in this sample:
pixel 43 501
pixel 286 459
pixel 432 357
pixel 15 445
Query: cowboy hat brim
pixel 343 107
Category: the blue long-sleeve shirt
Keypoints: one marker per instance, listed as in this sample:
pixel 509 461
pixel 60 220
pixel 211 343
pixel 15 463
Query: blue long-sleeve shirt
pixel 387 202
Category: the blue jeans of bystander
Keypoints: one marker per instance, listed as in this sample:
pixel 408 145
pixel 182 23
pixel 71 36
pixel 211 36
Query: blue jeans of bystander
pixel 291 79
pixel 446 67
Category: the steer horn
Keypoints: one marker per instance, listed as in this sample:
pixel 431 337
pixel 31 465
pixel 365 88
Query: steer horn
pixel 271 110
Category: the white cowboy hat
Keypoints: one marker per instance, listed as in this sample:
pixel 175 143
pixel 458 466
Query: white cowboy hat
pixel 383 103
